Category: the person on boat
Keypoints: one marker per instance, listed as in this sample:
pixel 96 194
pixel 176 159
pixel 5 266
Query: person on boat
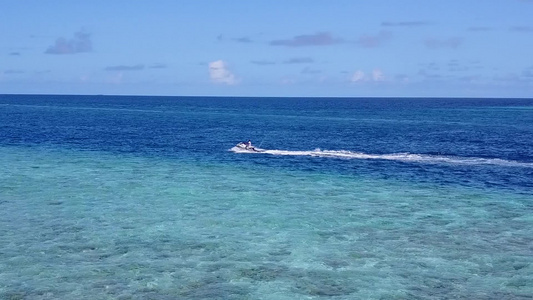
pixel 249 144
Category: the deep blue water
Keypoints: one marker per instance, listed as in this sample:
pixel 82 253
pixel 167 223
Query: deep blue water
pixel 204 128
pixel 105 197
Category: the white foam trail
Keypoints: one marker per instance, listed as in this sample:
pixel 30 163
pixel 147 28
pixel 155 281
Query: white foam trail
pixel 405 157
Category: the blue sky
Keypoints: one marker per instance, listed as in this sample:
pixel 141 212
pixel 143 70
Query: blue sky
pixel 390 48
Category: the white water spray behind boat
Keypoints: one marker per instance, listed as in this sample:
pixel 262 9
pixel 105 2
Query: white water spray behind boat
pixel 404 157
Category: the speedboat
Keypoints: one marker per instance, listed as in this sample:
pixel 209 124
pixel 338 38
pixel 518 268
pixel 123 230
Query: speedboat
pixel 244 146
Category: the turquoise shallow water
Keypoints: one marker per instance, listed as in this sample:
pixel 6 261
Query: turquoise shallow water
pixel 97 225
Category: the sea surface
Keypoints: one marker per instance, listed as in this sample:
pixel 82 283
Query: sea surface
pixel 122 197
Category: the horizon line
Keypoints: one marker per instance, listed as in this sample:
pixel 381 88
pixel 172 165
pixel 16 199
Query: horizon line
pixel 258 97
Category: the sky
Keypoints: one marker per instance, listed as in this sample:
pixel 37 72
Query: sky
pixel 295 48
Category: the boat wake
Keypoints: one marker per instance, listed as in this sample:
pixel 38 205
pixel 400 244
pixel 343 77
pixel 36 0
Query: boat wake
pixel 403 157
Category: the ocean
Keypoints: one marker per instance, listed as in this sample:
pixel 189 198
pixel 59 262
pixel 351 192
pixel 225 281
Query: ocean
pixel 130 197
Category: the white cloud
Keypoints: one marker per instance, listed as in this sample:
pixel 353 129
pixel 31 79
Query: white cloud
pixel 358 76
pixel 219 73
pixel 377 75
